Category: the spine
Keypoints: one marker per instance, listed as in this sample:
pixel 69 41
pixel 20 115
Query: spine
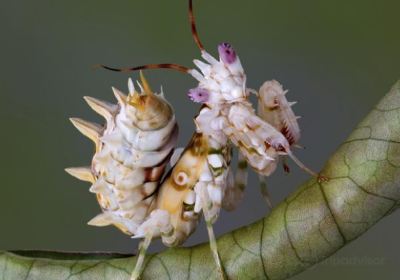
pixel 132 151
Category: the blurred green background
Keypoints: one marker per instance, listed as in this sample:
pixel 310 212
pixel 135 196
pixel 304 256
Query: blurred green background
pixel 337 58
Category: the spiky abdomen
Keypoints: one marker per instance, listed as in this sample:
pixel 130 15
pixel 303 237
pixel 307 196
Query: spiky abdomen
pixel 129 161
pixel 127 177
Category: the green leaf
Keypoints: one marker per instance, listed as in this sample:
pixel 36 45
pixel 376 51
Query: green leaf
pixel 310 225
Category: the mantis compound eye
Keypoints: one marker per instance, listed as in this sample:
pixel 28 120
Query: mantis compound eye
pixel 226 53
pixel 199 95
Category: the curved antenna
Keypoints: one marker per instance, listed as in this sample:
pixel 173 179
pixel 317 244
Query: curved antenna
pixel 193 25
pixel 172 66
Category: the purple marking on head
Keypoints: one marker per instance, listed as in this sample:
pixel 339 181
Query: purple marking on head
pixel 226 53
pixel 199 95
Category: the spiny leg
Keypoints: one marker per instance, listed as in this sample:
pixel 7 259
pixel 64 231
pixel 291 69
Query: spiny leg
pixel 143 246
pixel 264 191
pixel 206 205
pixel 274 108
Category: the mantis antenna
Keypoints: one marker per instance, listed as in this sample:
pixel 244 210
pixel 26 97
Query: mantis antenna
pixel 172 66
pixel 193 25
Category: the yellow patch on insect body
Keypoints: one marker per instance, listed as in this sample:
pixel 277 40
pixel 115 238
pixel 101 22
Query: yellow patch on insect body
pixel 171 198
pixel 186 173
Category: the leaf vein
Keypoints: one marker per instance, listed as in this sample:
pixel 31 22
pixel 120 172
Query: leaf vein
pixel 240 246
pixel 164 266
pixel 190 263
pixel 29 270
pixel 328 206
pixel 261 251
pixel 285 222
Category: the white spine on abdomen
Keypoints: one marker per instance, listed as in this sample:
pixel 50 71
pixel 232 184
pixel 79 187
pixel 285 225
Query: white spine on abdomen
pixel 129 160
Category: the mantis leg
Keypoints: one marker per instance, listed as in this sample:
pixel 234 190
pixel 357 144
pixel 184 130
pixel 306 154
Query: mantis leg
pixel 143 246
pixel 241 173
pixel 206 206
pixel 214 248
pixel 264 191
pixel 302 166
pixel 236 185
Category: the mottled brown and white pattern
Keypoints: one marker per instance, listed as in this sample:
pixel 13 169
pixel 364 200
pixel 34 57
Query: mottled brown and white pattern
pixel 196 184
pixel 274 108
pixel 201 179
pixel 132 150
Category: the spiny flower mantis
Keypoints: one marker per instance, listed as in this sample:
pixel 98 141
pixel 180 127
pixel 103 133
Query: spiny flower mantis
pixel 200 179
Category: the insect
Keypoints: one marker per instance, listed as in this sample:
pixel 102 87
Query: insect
pixel 201 179
pixel 132 150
